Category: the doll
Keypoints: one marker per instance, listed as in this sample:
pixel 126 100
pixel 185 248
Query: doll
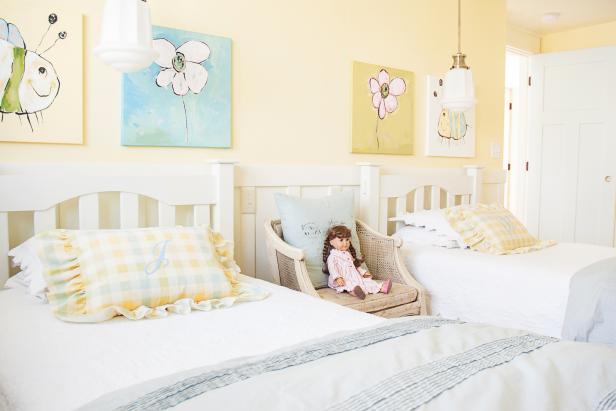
pixel 344 268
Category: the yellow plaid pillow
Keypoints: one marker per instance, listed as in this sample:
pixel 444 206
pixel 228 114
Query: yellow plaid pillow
pixel 95 275
pixel 492 229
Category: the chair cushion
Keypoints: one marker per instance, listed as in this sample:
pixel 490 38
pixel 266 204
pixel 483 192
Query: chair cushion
pixel 398 295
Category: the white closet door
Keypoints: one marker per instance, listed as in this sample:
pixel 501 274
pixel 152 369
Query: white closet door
pixel 572 146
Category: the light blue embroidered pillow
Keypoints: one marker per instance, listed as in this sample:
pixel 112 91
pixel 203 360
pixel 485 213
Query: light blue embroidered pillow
pixel 305 222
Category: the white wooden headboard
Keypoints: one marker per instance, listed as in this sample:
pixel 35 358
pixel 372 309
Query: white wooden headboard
pixel 236 200
pixel 255 187
pixel 387 196
pixel 206 189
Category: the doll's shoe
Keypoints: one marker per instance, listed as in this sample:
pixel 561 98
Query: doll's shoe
pixel 359 293
pixel 386 287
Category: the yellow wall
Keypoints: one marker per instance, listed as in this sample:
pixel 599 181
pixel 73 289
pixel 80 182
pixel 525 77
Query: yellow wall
pixel 586 37
pixel 521 39
pixel 292 64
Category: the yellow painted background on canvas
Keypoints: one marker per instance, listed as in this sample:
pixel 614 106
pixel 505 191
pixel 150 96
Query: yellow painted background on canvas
pixel 62 121
pixel 393 134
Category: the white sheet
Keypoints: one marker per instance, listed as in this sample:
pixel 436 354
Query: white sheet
pixel 47 364
pixel 524 291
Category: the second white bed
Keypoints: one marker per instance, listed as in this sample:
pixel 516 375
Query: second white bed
pixel 525 291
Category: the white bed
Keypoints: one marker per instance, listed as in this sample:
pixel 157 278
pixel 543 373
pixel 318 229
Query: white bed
pixel 48 364
pixel 526 291
pixel 529 291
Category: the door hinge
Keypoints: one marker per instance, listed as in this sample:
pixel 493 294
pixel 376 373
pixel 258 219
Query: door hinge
pixel 526 166
pixel 530 81
pixel 510 106
pixel 509 167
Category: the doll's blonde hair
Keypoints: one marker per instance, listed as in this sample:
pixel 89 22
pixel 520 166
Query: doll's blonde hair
pixel 338 231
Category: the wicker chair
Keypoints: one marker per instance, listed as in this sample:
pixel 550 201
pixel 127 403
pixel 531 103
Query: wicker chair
pixel 407 296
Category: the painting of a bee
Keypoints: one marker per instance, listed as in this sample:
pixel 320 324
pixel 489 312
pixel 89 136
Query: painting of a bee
pixel 28 82
pixel 450 133
pixel 38 86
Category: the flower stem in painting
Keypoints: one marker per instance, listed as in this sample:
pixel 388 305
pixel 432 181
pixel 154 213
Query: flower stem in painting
pixel 376 134
pixel 185 119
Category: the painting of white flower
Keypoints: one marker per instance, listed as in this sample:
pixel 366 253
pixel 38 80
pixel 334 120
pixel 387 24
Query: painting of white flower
pixel 383 109
pixel 182 68
pixel 183 99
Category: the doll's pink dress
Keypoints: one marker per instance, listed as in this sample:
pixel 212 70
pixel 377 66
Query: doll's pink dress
pixel 340 264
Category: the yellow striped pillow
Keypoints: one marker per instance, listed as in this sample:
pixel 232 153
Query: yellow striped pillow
pixel 95 275
pixel 492 229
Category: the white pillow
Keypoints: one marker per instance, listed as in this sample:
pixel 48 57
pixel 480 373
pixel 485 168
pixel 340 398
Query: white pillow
pixel 434 220
pixel 20 281
pixel 25 256
pixel 423 236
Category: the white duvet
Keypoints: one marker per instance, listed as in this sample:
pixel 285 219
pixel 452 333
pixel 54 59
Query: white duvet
pixel 438 367
pixel 47 364
pixel 524 291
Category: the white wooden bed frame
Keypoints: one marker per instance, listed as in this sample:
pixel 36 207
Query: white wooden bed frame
pixel 207 189
pixel 386 197
pixel 236 200
pixel 372 184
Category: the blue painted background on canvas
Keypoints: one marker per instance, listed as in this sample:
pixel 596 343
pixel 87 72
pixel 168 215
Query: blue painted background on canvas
pixel 154 116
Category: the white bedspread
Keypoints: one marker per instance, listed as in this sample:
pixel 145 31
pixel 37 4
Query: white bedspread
pixel 412 363
pixel 47 364
pixel 524 291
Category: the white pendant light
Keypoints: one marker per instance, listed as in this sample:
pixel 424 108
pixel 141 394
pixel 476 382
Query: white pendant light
pixel 458 88
pixel 126 35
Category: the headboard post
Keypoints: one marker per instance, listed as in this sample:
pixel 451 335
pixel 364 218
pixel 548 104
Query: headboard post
pixel 369 193
pixel 474 171
pixel 4 248
pixel 224 170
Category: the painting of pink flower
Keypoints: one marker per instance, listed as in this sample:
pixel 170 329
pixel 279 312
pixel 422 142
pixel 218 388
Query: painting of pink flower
pixel 385 92
pixel 383 109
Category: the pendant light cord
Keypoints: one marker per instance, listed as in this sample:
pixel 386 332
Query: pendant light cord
pixel 459 28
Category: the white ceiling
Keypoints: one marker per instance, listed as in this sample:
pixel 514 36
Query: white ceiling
pixel 527 14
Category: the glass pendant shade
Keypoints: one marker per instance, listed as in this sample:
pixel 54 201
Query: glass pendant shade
pixel 458 90
pixel 126 35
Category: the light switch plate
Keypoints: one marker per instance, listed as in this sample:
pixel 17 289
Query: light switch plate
pixel 248 200
pixel 495 151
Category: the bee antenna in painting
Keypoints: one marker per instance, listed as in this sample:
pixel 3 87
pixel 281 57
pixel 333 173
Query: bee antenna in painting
pixel 61 36
pixel 52 19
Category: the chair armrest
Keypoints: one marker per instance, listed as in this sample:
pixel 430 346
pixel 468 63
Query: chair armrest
pixel 288 263
pixel 382 254
pixel 397 242
pixel 279 245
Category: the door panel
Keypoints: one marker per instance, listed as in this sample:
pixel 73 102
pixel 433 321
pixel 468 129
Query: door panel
pixel 591 189
pixel 574 87
pixel 553 164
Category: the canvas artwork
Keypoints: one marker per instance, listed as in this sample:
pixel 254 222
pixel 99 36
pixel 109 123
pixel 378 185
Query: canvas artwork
pixel 450 134
pixel 184 98
pixel 41 74
pixel 382 110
